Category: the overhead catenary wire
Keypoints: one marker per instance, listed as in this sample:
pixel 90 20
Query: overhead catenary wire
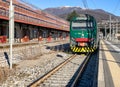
pixel 94 3
pixel 116 7
pixel 85 4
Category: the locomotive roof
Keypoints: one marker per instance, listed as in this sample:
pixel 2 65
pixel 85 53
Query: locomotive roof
pixel 84 17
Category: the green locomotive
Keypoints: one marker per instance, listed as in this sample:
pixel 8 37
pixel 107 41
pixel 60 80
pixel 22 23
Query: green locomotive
pixel 83 34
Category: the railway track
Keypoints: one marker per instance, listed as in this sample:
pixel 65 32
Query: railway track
pixel 61 75
pixel 87 76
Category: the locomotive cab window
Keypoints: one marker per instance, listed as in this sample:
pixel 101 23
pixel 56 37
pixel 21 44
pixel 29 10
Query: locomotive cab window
pixel 80 24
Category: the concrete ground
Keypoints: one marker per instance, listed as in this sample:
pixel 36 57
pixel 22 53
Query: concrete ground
pixel 109 64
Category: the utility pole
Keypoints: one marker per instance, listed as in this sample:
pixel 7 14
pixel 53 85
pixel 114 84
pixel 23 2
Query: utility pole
pixel 11 30
pixel 105 33
pixel 116 32
pixel 113 32
pixel 110 26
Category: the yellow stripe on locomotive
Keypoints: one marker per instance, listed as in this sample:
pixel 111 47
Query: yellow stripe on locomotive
pixel 83 49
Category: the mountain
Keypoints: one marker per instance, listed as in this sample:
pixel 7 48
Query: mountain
pixel 62 12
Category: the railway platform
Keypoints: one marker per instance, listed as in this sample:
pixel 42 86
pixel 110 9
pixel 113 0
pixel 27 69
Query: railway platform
pixel 109 64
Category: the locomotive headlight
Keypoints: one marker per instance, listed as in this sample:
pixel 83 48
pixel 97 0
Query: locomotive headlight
pixel 73 39
pixel 92 42
pixel 82 35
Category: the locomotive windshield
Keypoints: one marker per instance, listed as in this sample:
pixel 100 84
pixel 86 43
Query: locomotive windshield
pixel 80 24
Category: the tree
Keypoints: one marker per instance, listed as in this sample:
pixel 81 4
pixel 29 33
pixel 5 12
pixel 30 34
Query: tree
pixel 71 15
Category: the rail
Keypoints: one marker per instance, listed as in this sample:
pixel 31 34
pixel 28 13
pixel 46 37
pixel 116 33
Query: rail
pixel 81 69
pixel 43 78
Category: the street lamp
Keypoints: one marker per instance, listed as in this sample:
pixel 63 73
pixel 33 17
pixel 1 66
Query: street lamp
pixel 11 29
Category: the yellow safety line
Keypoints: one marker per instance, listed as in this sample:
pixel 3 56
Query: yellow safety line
pixel 113 66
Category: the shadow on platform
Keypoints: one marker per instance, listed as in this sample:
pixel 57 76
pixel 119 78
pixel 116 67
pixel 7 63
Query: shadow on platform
pixel 118 62
pixel 114 51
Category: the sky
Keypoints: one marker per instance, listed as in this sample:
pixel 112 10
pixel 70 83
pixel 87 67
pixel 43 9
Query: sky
pixel 112 6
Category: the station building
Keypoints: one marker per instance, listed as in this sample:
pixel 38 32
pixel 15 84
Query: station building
pixel 31 24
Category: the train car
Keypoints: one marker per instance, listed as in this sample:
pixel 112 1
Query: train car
pixel 83 34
